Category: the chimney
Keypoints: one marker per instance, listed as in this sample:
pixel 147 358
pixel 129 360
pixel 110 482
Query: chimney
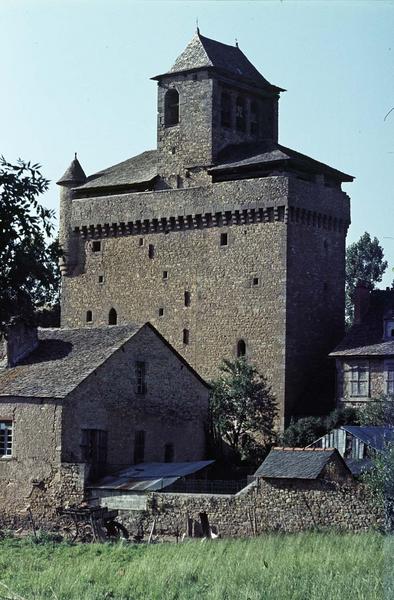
pixel 17 341
pixel 361 301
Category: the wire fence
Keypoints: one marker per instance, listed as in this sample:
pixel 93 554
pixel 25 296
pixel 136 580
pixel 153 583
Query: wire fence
pixel 206 486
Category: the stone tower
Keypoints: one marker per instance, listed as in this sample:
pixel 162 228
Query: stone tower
pixel 228 242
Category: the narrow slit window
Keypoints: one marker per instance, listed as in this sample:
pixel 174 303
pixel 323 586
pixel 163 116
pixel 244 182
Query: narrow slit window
pixel 161 312
pixel 151 251
pixel 223 239
pixel 89 316
pixel 186 336
pixel 101 279
pixel 141 242
pixel 255 281
pixel 171 108
pixel 241 348
pixel 140 375
pixel 112 317
pixel 139 447
pixel 187 298
pixel 165 274
pixel 169 453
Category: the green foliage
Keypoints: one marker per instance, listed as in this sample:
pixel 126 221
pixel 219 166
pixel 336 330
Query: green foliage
pixel 381 477
pixel 306 430
pixel 29 275
pixel 241 406
pixel 378 411
pixel 309 566
pixel 364 262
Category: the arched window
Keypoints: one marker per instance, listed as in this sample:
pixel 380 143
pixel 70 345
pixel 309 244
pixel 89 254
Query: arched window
pixel 112 317
pixel 254 118
pixel 89 316
pixel 171 108
pixel 241 348
pixel 240 116
pixel 226 110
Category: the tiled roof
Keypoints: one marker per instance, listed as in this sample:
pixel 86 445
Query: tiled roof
pixel 366 338
pixel 138 169
pixel 373 436
pixel 242 157
pixel 295 463
pixel 63 359
pixel 202 52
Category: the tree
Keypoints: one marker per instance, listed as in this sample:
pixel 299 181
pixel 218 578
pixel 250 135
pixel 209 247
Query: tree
pixel 29 276
pixel 242 407
pixel 378 411
pixel 307 430
pixel 364 262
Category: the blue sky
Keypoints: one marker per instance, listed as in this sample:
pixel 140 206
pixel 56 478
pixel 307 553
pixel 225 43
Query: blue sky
pixel 75 77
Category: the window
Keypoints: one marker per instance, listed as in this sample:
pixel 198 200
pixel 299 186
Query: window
pixel 94 446
pixel 255 281
pixel 151 251
pixel 389 328
pixel 140 377
pixel 139 447
pixel 141 242
pixel 165 274
pixel 254 118
pixel 241 348
pixel 89 316
pixel 225 110
pixel 161 312
pixel 359 381
pixel 96 246
pixel 187 298
pixel 101 279
pixel 5 438
pixel 223 239
pixel 171 108
pixel 390 378
pixel 186 336
pixel 240 119
pixel 169 453
pixel 112 317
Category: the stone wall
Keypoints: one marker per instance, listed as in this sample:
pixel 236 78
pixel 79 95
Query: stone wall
pixel 264 506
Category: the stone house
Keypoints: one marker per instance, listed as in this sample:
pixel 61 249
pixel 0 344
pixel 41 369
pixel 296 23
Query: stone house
pixel 219 237
pixel 365 357
pixel 84 402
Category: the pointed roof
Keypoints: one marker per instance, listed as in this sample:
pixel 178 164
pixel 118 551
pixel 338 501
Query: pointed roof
pixel 74 174
pixel 202 52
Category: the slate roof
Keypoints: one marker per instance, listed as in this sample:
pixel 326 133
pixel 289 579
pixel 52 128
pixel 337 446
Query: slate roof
pixel 366 338
pixel 373 436
pixel 63 359
pixel 74 174
pixel 136 170
pixel 202 52
pixel 243 157
pixel 295 463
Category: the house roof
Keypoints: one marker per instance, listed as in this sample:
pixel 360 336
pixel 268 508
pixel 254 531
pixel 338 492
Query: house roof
pixel 133 171
pixel 202 52
pixel 244 157
pixel 65 357
pixel 295 463
pixel 148 477
pixel 366 338
pixel 74 174
pixel 375 437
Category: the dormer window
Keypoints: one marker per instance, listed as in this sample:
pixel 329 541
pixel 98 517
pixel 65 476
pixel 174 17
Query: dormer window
pixel 171 108
pixel 389 329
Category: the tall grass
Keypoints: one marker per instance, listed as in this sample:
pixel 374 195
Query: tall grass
pixel 274 567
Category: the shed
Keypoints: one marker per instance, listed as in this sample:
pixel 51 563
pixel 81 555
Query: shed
pixel 301 463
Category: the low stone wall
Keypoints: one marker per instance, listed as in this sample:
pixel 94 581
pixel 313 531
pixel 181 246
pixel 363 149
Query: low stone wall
pixel 263 506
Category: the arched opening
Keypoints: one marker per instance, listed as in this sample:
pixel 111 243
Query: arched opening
pixel 171 108
pixel 240 120
pixel 89 316
pixel 254 118
pixel 241 348
pixel 112 317
pixel 226 110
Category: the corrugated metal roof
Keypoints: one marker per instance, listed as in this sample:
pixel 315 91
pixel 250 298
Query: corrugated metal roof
pixel 149 477
pixel 375 437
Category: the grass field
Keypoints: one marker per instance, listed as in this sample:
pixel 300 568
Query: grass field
pixel 275 567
